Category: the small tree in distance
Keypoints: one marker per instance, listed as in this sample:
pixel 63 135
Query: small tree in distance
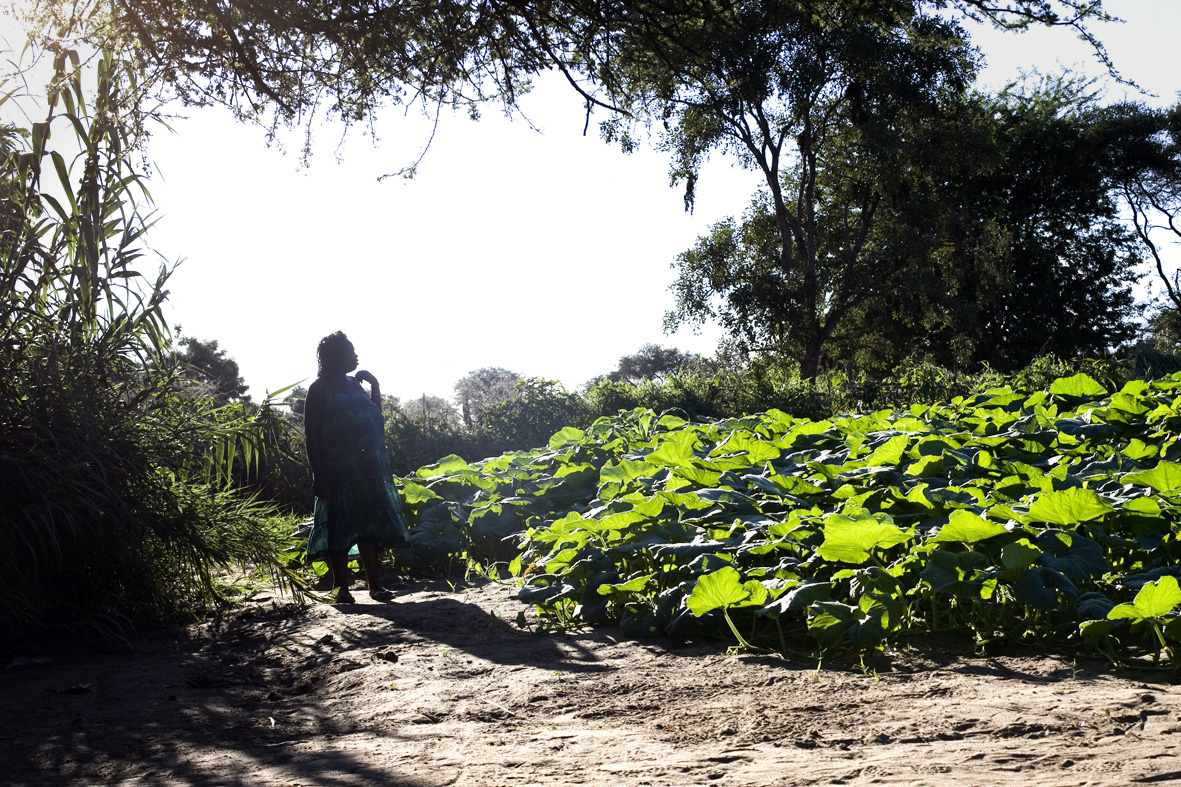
pixel 205 363
pixel 432 411
pixel 483 388
pixel 651 362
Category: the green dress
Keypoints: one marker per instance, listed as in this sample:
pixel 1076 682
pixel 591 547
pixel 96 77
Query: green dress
pixel 363 504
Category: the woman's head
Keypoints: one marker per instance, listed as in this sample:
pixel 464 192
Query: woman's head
pixel 335 355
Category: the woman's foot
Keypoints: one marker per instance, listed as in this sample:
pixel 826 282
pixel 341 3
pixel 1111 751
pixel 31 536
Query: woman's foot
pixel 381 594
pixel 343 596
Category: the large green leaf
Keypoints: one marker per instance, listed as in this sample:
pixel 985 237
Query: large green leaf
pixel 413 494
pixel 1040 588
pixel 633 585
pixel 1068 507
pixel 676 449
pixel 798 598
pixel 965 527
pixel 1165 478
pixel 1073 555
pixel 1093 606
pixel 955 572
pixel 863 625
pixel 888 453
pixel 448 465
pixel 566 436
pixel 625 470
pixel 1019 556
pixel 1080 386
pixel 1155 600
pixel 851 539
pixel 718 590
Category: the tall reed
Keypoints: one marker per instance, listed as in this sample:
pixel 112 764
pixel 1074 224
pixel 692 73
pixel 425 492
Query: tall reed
pixel 116 496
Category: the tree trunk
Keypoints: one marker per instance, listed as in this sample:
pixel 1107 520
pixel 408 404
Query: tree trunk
pixel 810 363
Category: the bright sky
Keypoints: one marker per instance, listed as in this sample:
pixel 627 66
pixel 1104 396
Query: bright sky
pixel 535 249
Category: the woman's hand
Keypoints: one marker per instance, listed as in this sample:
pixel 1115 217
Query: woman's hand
pixel 363 376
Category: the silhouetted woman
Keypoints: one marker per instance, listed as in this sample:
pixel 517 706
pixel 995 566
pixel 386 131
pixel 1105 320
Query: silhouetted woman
pixel 356 500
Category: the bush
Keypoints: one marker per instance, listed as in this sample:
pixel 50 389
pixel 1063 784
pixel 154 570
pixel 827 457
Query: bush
pixel 536 410
pixel 115 479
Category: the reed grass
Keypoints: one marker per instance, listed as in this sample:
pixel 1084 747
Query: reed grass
pixel 117 496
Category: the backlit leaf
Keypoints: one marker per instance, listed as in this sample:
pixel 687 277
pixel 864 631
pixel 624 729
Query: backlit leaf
pixel 850 539
pixel 965 527
pixel 715 591
pixel 1080 386
pixel 1068 507
pixel 1165 478
pixel 1155 600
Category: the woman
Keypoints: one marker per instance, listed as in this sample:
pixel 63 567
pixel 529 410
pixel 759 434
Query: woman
pixel 356 500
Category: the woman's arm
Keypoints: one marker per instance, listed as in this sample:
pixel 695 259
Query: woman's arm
pixel 374 386
pixel 313 422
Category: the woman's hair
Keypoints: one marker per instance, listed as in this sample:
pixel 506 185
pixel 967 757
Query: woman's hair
pixel 331 352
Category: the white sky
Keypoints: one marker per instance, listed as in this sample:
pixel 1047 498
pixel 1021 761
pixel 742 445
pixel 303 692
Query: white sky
pixel 547 253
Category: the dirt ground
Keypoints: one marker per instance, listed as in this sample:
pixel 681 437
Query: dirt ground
pixel 441 688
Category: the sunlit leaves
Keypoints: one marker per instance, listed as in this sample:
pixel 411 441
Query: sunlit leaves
pixel 1165 478
pixel 967 528
pixel 1155 600
pixel 987 512
pixel 851 539
pixel 1068 507
pixel 1080 386
pixel 723 589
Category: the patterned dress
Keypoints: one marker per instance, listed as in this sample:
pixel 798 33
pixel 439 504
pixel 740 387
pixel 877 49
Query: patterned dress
pixel 363 503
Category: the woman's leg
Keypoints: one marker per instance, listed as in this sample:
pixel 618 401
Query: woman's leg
pixel 339 564
pixel 372 565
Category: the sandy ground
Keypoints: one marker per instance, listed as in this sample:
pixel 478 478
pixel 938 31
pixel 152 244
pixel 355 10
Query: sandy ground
pixel 441 688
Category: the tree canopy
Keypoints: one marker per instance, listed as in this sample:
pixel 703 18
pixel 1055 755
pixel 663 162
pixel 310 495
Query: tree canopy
pixel 838 119
pixel 208 365
pixel 349 58
pixel 1030 251
pixel 483 388
pixel 650 362
pixel 838 103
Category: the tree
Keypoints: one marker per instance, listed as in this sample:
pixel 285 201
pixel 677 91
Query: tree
pixel 349 58
pixel 297 400
pixel 1000 242
pixel 835 117
pixel 650 362
pixel 1148 178
pixel 537 409
pixel 481 389
pixel 433 411
pixel 1032 254
pixel 204 363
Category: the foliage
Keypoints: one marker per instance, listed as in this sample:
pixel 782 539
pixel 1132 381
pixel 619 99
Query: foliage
pixel 985 222
pixel 282 475
pixel 1037 517
pixel 482 388
pixel 537 409
pixel 115 479
pixel 298 59
pixel 414 441
pixel 1036 214
pixel 650 362
pixel 841 121
pixel 208 366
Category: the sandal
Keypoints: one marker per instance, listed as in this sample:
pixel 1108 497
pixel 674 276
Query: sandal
pixel 381 594
pixel 343 596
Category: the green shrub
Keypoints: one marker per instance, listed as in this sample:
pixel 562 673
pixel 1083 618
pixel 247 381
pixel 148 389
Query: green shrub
pixel 116 481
